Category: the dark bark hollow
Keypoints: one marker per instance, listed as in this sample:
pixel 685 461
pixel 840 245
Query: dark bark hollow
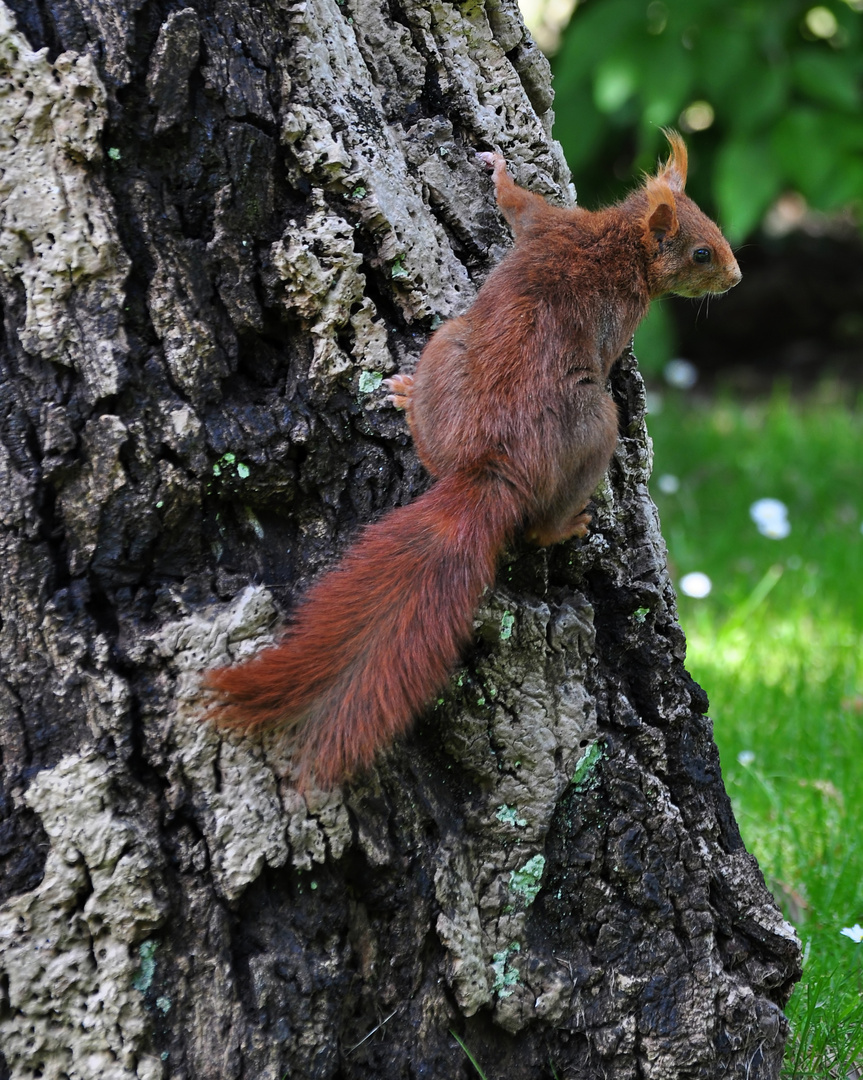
pixel 222 226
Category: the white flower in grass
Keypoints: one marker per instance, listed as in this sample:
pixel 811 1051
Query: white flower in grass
pixel 668 484
pixel 696 584
pixel 771 518
pixel 855 932
pixel 746 757
pixel 682 374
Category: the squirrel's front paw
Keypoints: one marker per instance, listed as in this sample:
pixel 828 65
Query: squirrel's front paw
pixel 492 160
pixel 401 387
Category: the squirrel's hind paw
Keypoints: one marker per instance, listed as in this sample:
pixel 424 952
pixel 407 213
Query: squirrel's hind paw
pixel 548 533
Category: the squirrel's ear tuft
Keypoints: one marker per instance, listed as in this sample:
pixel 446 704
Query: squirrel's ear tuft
pixel 673 172
pixel 660 220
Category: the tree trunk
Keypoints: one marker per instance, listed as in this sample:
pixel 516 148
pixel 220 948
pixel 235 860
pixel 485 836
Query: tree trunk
pixel 222 225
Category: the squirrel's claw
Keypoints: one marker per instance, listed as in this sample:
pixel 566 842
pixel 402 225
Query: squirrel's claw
pixel 400 387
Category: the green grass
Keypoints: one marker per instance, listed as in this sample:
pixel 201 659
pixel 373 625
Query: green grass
pixel 778 645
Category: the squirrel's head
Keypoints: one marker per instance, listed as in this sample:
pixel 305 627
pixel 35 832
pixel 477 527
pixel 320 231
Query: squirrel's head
pixel 686 252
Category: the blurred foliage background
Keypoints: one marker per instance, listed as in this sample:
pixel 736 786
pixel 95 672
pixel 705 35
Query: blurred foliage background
pixel 768 94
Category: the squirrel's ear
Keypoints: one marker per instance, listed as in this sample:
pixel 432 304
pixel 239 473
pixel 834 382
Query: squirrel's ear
pixel 673 172
pixel 660 221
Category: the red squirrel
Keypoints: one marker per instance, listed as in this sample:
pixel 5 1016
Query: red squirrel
pixel 510 413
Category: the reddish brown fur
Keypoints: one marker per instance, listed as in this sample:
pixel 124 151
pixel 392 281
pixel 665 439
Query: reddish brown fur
pixel 509 409
pixel 376 638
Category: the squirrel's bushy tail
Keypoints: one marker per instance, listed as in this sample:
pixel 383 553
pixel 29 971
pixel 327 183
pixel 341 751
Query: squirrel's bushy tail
pixel 377 637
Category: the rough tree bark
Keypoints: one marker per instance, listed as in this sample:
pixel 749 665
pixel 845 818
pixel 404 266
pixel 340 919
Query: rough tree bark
pixel 222 225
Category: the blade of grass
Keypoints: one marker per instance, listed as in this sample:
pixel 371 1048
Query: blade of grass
pixel 468 1054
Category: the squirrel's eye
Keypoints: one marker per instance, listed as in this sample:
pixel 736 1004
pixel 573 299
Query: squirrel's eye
pixel 702 255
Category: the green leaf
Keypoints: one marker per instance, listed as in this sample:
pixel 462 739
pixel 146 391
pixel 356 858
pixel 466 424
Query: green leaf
pixel 802 144
pixel 847 134
pixel 759 98
pixel 606 23
pixel 846 186
pixel 614 83
pixel 724 56
pixel 747 181
pixel 667 79
pixel 833 79
pixel 581 131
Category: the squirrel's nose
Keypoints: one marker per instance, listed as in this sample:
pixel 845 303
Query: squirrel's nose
pixel 734 274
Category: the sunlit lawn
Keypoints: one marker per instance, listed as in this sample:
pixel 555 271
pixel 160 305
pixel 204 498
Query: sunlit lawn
pixel 778 645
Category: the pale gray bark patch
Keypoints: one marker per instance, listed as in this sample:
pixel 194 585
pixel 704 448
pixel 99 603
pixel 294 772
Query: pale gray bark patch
pixel 319 280
pixel 57 234
pixel 68 948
